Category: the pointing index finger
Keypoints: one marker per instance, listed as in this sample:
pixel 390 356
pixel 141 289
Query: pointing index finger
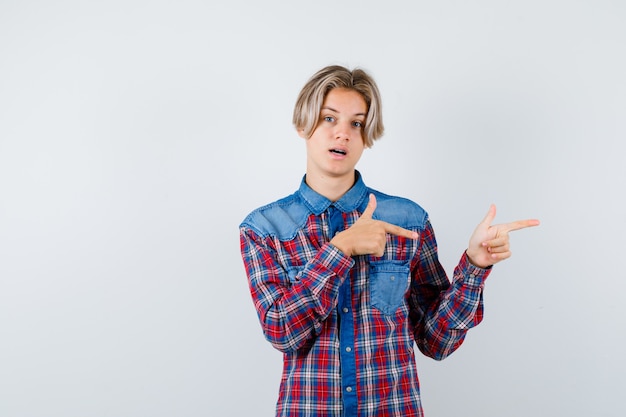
pixel 520 224
pixel 400 231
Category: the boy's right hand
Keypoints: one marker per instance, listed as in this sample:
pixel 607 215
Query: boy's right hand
pixel 368 236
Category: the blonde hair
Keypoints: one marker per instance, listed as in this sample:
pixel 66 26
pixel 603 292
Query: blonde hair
pixel 311 98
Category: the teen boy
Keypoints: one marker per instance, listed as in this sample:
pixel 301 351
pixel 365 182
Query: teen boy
pixel 346 279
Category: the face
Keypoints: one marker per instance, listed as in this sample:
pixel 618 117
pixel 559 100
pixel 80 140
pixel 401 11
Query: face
pixel 336 144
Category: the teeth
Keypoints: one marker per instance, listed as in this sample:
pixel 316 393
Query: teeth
pixel 339 151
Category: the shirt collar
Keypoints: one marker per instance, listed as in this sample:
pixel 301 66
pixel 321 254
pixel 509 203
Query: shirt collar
pixel 350 201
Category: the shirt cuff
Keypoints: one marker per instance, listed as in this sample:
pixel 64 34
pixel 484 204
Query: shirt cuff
pixel 472 274
pixel 335 260
pixel 328 262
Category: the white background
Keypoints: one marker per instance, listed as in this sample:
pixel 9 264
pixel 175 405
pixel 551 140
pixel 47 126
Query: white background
pixel 135 135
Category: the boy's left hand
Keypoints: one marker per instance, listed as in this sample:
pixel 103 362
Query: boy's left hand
pixel 490 244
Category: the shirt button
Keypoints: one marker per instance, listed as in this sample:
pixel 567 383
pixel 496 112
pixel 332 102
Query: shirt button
pixel 348 349
pixel 349 389
pixel 472 276
pixel 393 277
pixel 345 309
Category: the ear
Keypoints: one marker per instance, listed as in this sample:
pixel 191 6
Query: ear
pixel 301 133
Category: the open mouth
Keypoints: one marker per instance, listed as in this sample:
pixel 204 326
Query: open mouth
pixel 338 151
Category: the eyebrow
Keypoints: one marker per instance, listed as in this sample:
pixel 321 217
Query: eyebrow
pixel 333 110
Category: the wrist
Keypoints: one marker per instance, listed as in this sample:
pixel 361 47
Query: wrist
pixel 472 260
pixel 341 244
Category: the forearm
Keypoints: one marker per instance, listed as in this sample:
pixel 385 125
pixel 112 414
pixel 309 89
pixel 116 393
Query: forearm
pixel 459 308
pixel 292 311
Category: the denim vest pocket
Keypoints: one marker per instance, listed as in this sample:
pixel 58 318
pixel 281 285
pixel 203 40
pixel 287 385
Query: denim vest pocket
pixel 389 281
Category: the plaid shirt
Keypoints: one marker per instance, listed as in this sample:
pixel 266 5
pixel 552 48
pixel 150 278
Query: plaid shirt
pixel 348 325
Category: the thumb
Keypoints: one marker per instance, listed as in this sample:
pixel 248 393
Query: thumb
pixel 371 206
pixel 491 214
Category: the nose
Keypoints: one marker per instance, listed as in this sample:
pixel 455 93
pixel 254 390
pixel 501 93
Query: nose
pixel 342 131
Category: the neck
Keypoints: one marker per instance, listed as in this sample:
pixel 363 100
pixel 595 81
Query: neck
pixel 333 188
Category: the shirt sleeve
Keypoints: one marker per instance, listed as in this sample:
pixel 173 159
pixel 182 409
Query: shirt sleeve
pixel 442 311
pixel 291 309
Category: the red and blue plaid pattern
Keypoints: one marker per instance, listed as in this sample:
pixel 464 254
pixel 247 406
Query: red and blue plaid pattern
pixel 348 325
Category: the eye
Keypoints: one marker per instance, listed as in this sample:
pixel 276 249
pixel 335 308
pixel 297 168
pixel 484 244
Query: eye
pixel 357 124
pixel 329 119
